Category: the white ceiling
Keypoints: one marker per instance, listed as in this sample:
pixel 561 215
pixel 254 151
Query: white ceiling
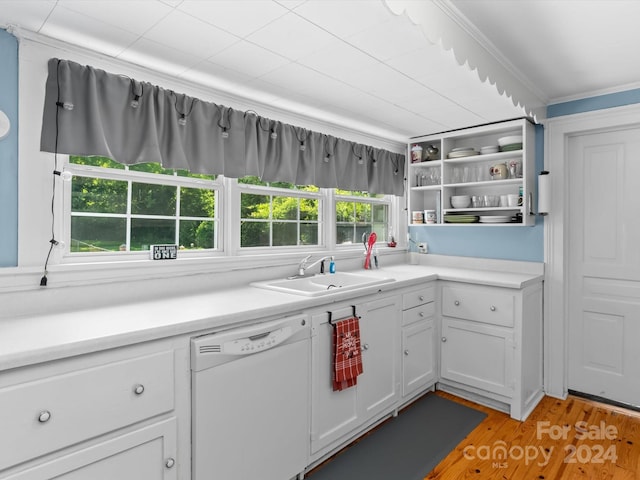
pixel 353 61
pixel 566 49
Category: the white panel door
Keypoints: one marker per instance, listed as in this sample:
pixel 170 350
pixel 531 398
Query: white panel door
pixel 604 265
pixel 379 384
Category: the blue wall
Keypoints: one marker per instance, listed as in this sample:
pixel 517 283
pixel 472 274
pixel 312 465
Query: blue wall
pixel 507 243
pixel 513 243
pixel 9 151
pixel 610 100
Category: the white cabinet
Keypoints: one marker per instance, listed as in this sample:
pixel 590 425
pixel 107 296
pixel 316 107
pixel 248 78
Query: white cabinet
pixel 146 453
pixel 491 344
pixel 459 169
pixel 337 416
pixel 379 385
pixel 105 415
pixel 477 355
pixel 418 339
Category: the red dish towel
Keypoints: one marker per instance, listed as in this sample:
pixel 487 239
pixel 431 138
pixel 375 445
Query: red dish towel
pixel 347 360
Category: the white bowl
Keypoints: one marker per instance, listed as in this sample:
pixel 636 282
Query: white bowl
pixel 460 201
pixel 509 140
pixel 489 149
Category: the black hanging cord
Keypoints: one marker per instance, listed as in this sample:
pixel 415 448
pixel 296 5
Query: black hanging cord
pixel 271 129
pixel 183 115
pixel 302 140
pixel 395 162
pixel 224 128
pixel 136 96
pixel 327 152
pixel 268 129
pixel 53 242
pixel 359 155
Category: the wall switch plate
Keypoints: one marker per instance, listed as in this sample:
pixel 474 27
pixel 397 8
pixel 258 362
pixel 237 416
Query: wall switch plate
pixel 164 252
pixel 423 248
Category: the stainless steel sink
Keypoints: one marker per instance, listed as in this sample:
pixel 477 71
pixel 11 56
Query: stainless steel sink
pixel 322 284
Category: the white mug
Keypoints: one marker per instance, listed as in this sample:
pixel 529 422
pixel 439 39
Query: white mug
pixel 429 216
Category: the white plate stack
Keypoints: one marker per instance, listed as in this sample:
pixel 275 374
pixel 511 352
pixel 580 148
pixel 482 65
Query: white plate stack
pixel 495 219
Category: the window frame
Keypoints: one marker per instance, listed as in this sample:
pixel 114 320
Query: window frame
pixel 133 176
pixel 227 215
pixel 383 200
pixel 252 189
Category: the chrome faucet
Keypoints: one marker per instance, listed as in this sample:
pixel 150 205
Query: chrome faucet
pixel 304 265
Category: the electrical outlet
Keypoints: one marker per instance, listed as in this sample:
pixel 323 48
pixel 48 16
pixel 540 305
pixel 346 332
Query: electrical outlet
pixel 423 248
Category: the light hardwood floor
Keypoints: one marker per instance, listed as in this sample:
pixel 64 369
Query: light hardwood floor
pixel 562 439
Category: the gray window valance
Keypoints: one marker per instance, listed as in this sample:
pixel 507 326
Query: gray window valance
pixel 88 111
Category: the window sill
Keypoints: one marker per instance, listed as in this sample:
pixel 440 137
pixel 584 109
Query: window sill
pixel 247 268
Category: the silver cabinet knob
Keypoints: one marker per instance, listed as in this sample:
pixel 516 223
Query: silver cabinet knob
pixel 170 463
pixel 421 314
pixel 492 308
pixel 44 416
pixel 138 389
pixel 444 339
pixel 456 303
pixel 365 347
pixel 421 297
pixel 406 352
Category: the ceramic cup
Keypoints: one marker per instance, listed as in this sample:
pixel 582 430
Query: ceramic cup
pixel 498 171
pixel 512 200
pixel 429 216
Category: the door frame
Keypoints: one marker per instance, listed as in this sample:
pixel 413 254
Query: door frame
pixel 558 130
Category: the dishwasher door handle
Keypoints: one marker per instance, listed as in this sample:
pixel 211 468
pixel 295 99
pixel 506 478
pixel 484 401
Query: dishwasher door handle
pixel 253 338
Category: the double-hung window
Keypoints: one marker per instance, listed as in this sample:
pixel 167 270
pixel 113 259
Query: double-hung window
pixel 116 208
pixel 279 214
pixel 361 213
pixel 113 207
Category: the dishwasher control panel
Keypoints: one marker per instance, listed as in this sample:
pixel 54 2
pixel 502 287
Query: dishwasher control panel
pixel 227 345
pixel 256 343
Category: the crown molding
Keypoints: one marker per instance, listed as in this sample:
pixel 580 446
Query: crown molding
pixel 481 39
pixel 443 24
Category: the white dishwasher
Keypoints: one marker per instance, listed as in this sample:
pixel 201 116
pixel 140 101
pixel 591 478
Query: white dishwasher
pixel 250 401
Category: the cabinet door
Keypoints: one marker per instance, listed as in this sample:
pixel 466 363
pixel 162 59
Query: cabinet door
pixel 418 356
pixel 477 355
pixel 333 414
pixel 52 413
pixel 379 384
pixel 148 453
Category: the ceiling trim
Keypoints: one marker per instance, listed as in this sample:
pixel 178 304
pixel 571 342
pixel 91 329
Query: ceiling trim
pixel 479 37
pixel 595 93
pixel 442 23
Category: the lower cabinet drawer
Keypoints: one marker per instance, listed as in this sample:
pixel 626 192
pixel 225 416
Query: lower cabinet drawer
pixel 482 304
pixel 418 296
pixel 48 414
pixel 416 314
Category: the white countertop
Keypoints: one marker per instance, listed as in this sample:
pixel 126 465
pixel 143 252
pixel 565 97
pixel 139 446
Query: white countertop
pixel 40 338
